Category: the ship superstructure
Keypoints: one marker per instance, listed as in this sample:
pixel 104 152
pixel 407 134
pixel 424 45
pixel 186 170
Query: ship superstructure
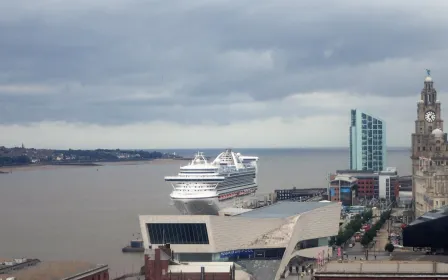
pixel 204 187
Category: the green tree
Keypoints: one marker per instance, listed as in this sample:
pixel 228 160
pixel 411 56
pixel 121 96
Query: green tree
pixel 365 240
pixel 367 215
pixel 389 247
pixel 340 238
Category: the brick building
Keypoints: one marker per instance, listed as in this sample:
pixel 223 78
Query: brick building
pixel 159 265
pixel 393 270
pixel 371 184
pixel 342 189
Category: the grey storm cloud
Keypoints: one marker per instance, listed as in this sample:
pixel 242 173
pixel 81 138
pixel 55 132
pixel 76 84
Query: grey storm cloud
pixel 132 61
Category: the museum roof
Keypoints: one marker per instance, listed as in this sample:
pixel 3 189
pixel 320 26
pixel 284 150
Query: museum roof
pixel 284 209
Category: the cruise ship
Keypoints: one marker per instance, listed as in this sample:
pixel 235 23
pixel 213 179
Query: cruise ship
pixel 204 188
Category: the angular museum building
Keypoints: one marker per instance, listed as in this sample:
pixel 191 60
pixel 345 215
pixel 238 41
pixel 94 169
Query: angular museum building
pixel 429 230
pixel 264 241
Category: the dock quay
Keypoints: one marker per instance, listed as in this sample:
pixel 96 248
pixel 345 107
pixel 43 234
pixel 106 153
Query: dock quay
pixel 301 194
pixel 261 200
pixel 8 266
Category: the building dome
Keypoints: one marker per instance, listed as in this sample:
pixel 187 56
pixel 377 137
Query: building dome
pixel 437 133
pixel 428 79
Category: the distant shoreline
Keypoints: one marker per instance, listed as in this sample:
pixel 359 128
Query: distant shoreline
pixel 56 165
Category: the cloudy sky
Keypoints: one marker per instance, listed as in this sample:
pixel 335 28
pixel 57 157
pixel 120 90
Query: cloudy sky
pixel 214 73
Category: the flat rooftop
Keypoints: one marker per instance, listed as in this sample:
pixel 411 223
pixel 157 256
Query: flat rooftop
pixel 418 256
pixel 384 267
pixel 284 209
pixel 53 270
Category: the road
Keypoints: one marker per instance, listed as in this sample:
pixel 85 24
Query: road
pixel 357 251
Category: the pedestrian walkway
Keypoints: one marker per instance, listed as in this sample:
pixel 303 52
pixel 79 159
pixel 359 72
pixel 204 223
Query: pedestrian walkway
pixel 382 238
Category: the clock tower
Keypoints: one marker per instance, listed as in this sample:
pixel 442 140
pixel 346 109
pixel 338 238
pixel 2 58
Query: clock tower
pixel 429 152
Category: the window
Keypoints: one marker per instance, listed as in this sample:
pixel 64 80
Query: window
pixel 182 233
pixel 312 243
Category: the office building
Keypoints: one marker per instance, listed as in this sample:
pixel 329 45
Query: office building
pixel 367 142
pixel 342 189
pixel 370 184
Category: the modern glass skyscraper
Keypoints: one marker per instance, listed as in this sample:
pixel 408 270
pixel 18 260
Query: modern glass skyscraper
pixel 367 142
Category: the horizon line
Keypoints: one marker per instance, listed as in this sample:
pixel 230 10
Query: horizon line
pixel 210 148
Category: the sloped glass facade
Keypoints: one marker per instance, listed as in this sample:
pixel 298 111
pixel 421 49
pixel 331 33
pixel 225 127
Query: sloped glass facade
pixel 178 233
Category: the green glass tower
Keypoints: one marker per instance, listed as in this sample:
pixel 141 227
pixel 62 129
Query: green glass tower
pixel 367 142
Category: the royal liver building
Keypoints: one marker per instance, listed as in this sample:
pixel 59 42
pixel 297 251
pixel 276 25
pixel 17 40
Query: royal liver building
pixel 429 153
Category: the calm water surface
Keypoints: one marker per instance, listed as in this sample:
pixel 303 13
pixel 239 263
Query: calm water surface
pixel 90 213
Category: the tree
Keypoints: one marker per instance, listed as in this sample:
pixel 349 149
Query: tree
pixel 389 247
pixel 19 160
pixel 340 238
pixel 365 240
pixel 332 241
pixel 367 215
pixel 371 233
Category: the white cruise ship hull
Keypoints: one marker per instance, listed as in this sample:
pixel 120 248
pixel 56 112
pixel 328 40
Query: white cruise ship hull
pixel 205 188
pixel 198 206
pixel 211 205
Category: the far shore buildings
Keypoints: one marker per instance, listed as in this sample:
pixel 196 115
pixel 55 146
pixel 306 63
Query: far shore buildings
pixel 367 142
pixel 429 153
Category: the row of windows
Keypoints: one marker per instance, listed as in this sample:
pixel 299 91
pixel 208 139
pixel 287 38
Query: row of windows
pixel 312 243
pixel 372 126
pixel 372 148
pixel 370 160
pixel 188 179
pixel 366 117
pixel 430 149
pixel 353 118
pixel 237 180
pixel 372 133
pixel 182 233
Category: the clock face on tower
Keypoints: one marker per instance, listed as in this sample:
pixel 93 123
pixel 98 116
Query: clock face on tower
pixel 430 116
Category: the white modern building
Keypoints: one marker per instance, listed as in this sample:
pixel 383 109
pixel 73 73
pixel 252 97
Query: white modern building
pixel 386 185
pixel 265 241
